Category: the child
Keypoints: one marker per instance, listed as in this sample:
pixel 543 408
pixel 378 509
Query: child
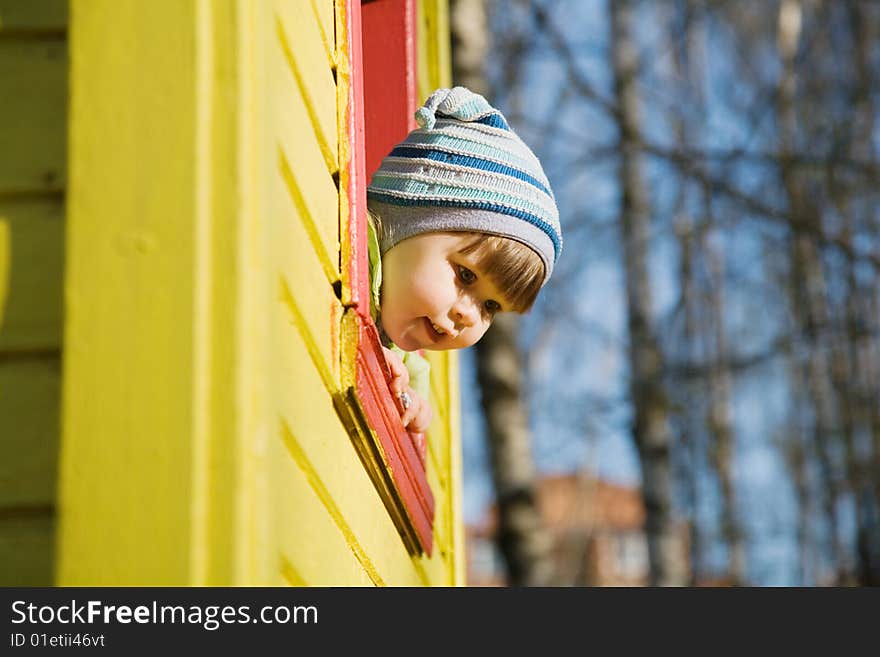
pixel 464 226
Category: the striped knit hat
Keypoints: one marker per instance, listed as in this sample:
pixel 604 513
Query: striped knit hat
pixel 465 170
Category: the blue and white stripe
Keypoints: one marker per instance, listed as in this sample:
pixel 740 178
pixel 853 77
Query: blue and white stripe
pixel 398 174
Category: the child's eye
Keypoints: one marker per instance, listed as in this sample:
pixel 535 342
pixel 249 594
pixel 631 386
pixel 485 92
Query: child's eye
pixel 466 275
pixel 492 307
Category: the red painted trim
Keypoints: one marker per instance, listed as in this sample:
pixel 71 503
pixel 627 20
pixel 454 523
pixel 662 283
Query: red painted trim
pixel 403 454
pixel 383 414
pixel 389 48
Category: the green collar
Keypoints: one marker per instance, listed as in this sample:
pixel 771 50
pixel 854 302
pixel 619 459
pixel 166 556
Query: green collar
pixel 375 268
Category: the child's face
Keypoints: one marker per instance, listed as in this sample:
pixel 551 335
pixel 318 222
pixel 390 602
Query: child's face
pixel 433 296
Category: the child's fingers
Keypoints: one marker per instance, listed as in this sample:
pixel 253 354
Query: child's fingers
pixel 412 411
pixel 419 414
pixel 422 419
pixel 399 373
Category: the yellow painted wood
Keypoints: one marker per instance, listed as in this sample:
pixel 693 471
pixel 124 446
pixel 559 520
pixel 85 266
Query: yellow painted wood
pixel 26 549
pixel 454 517
pixel 438 385
pixel 31 263
pixel 275 244
pixel 201 344
pixel 309 189
pixel 299 282
pixel 325 558
pixel 433 35
pixel 437 439
pixel 158 480
pixel 32 15
pixel 127 448
pixel 323 451
pixel 5 265
pixel 306 55
pixel 323 10
pixel 29 399
pixel 441 500
pixel 259 282
pixel 33 77
pixel 302 475
pixel 218 502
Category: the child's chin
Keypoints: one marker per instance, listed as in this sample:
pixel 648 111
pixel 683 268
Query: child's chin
pixel 405 342
pixel 416 345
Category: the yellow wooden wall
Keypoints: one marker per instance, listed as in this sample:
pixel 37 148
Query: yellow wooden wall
pixel 33 122
pixel 201 344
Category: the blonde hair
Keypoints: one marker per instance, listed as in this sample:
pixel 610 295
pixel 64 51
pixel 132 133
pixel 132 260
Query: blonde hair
pixel 515 269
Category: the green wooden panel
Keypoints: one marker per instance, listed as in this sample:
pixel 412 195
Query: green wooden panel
pixel 33 128
pixel 32 15
pixel 31 274
pixel 26 550
pixel 29 403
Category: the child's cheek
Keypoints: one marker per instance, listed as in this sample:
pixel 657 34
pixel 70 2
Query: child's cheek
pixel 423 287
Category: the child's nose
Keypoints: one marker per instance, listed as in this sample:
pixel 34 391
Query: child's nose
pixel 465 311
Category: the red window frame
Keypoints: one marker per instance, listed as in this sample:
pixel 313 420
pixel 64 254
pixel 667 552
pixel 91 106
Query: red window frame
pixel 381 101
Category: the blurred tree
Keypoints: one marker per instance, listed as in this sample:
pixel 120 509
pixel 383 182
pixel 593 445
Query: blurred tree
pixel 650 426
pixel 522 540
pixel 726 155
pixel 702 304
pixel 808 286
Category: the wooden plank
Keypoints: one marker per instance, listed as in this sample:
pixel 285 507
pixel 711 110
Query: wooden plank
pixel 323 10
pixel 304 138
pixel 32 16
pixel 439 489
pixel 439 384
pixel 33 126
pixel 299 48
pixel 398 452
pixel 314 199
pixel 29 409
pixel 433 43
pixel 443 473
pixel 453 516
pixel 438 441
pixel 443 481
pixel 352 176
pixel 324 558
pixel 437 568
pixel 27 550
pixel 130 375
pixel 303 288
pixel 31 273
pixel 438 438
pixel 322 450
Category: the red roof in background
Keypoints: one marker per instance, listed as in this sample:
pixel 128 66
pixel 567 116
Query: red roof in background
pixel 571 501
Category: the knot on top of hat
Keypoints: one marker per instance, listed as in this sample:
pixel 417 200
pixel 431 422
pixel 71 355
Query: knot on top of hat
pixel 459 103
pixel 425 118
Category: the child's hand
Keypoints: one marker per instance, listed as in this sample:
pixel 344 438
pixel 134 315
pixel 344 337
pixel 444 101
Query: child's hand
pixel 417 415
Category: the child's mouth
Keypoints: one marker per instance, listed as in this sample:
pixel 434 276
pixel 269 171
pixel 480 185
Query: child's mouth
pixel 435 333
